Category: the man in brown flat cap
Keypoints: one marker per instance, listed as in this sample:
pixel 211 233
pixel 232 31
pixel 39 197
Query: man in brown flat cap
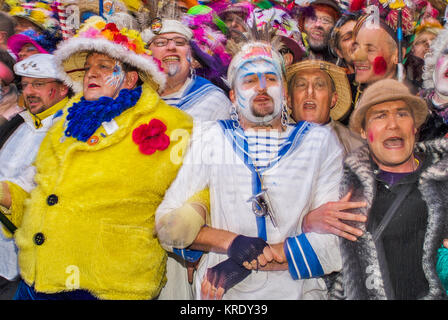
pixel 403 185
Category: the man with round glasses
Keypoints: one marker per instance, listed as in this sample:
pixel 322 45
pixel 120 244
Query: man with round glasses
pixel 251 163
pixel 317 25
pixel 169 41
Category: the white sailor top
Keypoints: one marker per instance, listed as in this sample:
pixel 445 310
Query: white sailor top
pixel 201 99
pixel 16 165
pixel 303 174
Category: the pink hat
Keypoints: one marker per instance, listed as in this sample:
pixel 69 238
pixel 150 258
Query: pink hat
pixel 17 41
pixel 5 73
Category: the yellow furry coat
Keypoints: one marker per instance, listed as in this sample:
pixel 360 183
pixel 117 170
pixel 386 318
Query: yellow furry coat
pixel 100 232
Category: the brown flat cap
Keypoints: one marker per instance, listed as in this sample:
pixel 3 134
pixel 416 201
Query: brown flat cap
pixel 384 91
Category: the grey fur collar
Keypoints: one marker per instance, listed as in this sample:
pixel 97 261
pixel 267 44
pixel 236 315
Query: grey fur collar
pixel 361 271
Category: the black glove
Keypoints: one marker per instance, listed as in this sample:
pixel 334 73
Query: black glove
pixel 226 274
pixel 246 249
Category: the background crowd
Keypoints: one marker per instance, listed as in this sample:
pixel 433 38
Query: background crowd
pixel 327 30
pixel 351 52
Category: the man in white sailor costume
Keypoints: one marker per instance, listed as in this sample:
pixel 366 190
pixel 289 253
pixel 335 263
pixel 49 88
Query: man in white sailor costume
pixel 169 41
pixel 264 176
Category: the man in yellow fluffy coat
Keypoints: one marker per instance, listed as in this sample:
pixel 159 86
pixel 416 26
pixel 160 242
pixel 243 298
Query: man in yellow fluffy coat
pixel 86 230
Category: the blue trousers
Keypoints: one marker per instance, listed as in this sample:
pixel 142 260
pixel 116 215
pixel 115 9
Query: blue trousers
pixel 25 292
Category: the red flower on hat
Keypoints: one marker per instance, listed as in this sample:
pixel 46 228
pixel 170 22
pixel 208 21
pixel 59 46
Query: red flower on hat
pixel 151 137
pixel 132 46
pixel 112 27
pixel 120 39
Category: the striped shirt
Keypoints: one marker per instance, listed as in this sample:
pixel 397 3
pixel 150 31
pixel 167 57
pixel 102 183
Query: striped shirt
pixel 264 145
pixel 201 99
pixel 304 178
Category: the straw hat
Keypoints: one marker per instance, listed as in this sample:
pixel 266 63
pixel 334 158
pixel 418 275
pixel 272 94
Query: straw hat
pixel 124 45
pixel 384 91
pixel 337 75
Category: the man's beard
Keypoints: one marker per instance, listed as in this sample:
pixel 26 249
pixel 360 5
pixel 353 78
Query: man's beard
pixel 173 69
pixel 321 46
pixel 249 111
pixel 259 114
pixel 32 99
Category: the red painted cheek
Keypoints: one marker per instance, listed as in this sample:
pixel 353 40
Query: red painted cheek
pixel 379 65
pixel 439 63
pixel 370 136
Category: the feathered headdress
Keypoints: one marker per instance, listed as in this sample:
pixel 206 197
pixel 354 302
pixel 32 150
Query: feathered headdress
pixel 158 9
pixel 258 43
pixel 208 32
pixel 284 27
pixel 209 43
pixel 162 16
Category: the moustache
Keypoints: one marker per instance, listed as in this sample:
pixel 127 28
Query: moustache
pixel 264 95
pixel 320 28
pixel 33 99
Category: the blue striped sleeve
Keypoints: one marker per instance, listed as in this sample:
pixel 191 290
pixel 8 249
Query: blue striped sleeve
pixel 303 262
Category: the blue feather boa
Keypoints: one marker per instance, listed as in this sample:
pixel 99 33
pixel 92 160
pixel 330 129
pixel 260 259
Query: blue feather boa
pixel 85 117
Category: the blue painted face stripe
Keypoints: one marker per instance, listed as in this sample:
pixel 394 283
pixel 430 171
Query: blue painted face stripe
pixel 262 79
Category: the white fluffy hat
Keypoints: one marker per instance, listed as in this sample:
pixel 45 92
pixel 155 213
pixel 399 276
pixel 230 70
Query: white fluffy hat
pixel 124 45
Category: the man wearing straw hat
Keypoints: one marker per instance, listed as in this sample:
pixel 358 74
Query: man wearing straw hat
pixel 404 186
pixel 319 92
pixel 101 172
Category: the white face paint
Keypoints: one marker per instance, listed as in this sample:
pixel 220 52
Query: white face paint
pixel 258 91
pixel 173 69
pixel 440 75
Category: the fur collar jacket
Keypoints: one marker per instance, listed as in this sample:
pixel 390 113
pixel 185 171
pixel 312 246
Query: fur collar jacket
pixel 361 277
